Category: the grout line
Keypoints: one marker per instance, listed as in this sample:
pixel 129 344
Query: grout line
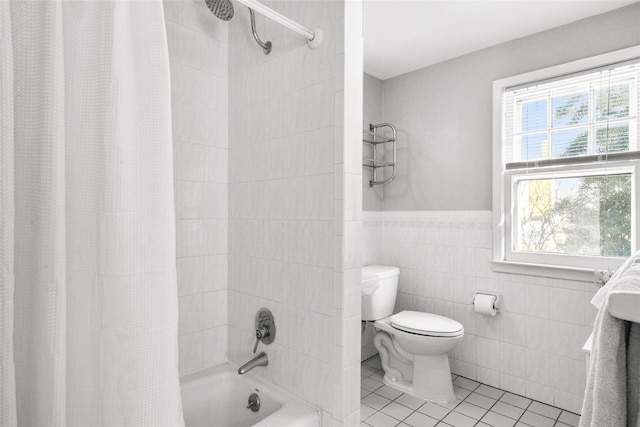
pixel 558 417
pixel 525 411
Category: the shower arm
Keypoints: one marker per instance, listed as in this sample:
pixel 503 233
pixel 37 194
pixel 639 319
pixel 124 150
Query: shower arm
pixel 266 47
pixel 314 37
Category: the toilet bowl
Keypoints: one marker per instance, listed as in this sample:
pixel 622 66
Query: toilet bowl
pixel 415 359
pixel 413 345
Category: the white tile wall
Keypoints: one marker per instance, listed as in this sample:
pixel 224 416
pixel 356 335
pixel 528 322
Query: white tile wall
pixel 532 347
pixel 289 195
pixel 199 91
pixel 292 194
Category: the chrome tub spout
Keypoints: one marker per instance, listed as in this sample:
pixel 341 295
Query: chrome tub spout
pixel 260 360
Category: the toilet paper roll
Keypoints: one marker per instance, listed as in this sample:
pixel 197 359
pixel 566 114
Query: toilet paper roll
pixel 485 304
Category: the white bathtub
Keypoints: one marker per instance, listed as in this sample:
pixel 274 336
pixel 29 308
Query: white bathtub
pixel 217 397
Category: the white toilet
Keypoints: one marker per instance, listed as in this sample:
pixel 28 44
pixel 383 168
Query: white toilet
pixel 413 345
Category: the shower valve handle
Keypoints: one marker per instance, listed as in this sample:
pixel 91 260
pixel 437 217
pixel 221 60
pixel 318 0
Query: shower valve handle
pixel 261 333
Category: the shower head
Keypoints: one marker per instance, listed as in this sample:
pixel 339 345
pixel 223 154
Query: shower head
pixel 222 9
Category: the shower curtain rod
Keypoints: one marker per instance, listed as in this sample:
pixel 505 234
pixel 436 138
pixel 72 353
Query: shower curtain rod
pixel 314 37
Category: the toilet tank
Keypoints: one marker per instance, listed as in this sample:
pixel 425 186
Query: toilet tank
pixel 379 289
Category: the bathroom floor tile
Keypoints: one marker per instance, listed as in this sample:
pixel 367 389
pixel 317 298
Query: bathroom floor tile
pixel 507 410
pixel 466 383
pixel 543 409
pixel 451 405
pixel 410 401
pixel 515 400
pixel 480 400
pixel 388 392
pixel 364 392
pixel 397 411
pixel 378 376
pixel 420 420
pixel 376 401
pixel 461 393
pixel 370 384
pixel 569 418
pixel 456 419
pixel 374 362
pixel 435 411
pixel 470 410
pixel 366 370
pixel 489 391
pixel 380 419
pixel 366 411
pixel 477 405
pixel 536 420
pixel 496 420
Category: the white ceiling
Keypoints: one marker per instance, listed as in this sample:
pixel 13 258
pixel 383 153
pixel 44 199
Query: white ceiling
pixel 402 36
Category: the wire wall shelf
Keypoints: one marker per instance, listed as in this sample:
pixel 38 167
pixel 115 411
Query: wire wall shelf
pixel 374 136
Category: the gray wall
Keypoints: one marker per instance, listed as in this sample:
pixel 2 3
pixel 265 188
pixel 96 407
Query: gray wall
pixel 371 114
pixel 444 112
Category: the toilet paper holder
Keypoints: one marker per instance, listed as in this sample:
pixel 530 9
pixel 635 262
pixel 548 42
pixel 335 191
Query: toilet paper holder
pixel 496 303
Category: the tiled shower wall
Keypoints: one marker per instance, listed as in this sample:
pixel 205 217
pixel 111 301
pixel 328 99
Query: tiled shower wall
pixel 532 347
pixel 199 85
pixel 289 192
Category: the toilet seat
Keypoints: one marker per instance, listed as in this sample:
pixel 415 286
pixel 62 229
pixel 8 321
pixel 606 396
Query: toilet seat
pixel 427 324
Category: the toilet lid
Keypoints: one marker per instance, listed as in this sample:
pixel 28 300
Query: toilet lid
pixel 421 323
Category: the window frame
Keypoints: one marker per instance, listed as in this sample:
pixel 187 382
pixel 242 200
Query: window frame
pixel 550 265
pixel 511 177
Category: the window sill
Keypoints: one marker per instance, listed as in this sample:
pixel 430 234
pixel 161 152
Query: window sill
pixel 543 270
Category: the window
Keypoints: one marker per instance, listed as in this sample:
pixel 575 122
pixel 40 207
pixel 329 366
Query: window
pixel 567 164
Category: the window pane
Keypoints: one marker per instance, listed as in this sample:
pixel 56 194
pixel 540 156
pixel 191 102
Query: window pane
pixel 570 109
pixel 570 142
pixel 613 138
pixel 584 215
pixel 534 147
pixel 612 103
pixel 534 115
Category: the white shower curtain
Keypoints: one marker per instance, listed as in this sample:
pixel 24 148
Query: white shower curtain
pixel 88 299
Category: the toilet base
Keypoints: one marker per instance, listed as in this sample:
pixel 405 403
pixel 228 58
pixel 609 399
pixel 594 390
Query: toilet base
pixel 431 380
pixel 424 372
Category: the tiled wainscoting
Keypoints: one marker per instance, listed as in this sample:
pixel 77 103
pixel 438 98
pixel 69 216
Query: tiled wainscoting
pixel 531 348
pixel 476 404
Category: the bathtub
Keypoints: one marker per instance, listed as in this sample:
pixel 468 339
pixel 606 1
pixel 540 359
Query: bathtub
pixel 217 397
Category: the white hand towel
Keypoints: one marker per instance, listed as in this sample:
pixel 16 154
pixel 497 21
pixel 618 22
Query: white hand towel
pixel 605 402
pixel 612 395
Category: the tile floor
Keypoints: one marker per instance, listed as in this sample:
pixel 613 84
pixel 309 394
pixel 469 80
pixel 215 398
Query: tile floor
pixel 476 405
